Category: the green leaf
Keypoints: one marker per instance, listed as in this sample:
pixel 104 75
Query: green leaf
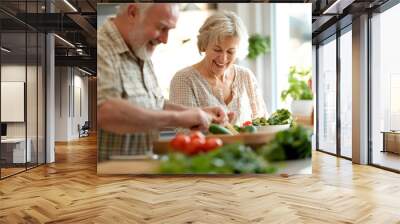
pixel 294 143
pixel 258 45
pixel 298 87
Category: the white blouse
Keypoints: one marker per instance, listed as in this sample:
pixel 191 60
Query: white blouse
pixel 189 88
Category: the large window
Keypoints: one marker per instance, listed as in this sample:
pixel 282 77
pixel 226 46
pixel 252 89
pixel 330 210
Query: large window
pixel 327 96
pixel 385 84
pixel 346 93
pixel 181 50
pixel 22 89
pixel 292 44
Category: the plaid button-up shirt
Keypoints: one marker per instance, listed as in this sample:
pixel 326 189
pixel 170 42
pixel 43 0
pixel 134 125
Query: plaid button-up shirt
pixel 120 74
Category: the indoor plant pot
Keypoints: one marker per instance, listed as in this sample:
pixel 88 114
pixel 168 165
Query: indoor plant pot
pixel 302 107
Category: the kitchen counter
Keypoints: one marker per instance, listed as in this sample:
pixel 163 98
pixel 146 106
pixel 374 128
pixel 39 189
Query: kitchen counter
pixel 149 166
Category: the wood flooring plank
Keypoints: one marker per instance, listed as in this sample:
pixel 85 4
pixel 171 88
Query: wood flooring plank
pixel 69 191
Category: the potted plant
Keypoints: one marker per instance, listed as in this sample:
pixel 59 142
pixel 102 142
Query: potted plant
pixel 258 45
pixel 299 91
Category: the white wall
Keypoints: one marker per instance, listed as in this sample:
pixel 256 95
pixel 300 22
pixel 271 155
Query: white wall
pixel 14 73
pixel 69 85
pixel 61 103
pixel 33 127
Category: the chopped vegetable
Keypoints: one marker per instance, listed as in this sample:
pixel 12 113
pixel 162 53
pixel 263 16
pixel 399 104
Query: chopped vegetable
pixel 180 142
pixel 246 129
pixel 231 129
pixel 229 159
pixel 247 123
pixel 249 129
pixel 260 121
pixel 294 143
pixel 217 129
pixel 194 144
pixel 280 117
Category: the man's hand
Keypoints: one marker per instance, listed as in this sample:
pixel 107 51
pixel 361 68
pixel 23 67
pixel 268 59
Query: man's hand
pixel 194 118
pixel 217 114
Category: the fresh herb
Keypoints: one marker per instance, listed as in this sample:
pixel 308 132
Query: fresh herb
pixel 229 159
pixel 280 117
pixel 246 129
pixel 294 143
pixel 260 121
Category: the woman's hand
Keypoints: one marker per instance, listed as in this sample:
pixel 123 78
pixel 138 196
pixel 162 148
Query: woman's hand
pixel 217 114
pixel 231 116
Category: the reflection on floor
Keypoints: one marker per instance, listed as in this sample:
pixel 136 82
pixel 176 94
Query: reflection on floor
pixel 9 171
pixel 387 159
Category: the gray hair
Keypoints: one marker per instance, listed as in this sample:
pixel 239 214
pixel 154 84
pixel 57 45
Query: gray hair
pixel 220 25
pixel 143 7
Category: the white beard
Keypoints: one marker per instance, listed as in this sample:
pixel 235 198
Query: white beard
pixel 142 53
pixel 138 47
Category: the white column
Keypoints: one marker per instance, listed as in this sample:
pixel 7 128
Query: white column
pixel 50 99
pixel 63 112
pixel 360 90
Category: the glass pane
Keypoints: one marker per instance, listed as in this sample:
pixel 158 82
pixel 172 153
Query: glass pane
pixel 346 94
pixel 386 89
pixel 327 97
pixel 41 99
pixel 31 97
pixel 293 45
pixel 13 87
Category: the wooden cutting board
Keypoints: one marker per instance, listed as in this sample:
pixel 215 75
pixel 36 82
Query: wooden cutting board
pixel 145 166
pixel 250 139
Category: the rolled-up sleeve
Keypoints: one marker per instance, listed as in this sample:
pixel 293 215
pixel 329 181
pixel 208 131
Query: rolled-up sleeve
pixel 108 80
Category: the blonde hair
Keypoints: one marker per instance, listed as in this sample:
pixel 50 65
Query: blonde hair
pixel 220 25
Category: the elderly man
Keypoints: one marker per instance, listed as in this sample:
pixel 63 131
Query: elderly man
pixel 131 107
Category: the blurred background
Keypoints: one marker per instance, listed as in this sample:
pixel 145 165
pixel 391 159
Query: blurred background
pixel 285 29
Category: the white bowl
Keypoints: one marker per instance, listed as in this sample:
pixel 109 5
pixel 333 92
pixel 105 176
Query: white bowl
pixel 272 128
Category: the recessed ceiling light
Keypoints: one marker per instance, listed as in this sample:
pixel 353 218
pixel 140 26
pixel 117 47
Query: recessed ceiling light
pixel 338 6
pixel 64 40
pixel 84 71
pixel 70 5
pixel 5 50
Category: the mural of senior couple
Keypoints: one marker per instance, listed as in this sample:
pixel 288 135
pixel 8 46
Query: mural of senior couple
pixel 200 88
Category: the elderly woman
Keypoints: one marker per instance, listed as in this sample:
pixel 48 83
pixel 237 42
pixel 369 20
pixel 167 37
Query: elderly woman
pixel 216 80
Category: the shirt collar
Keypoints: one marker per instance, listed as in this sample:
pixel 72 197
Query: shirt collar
pixel 119 44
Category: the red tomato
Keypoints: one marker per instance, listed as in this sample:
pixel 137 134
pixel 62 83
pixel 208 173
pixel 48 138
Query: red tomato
pixel 196 134
pixel 247 123
pixel 212 143
pixel 195 146
pixel 180 142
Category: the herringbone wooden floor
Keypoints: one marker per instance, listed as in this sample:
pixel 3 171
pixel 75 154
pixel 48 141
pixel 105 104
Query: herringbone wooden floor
pixel 69 191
